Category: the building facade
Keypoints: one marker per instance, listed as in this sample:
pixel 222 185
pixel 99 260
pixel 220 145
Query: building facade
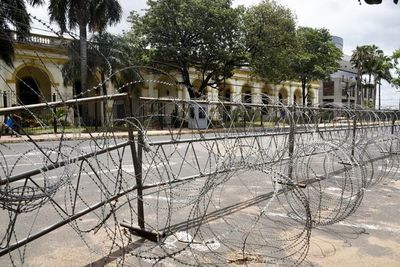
pixel 37 77
pixel 341 87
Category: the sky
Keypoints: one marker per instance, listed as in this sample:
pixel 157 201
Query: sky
pixel 356 24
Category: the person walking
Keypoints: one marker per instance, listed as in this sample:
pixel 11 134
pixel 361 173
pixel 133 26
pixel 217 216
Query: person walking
pixel 12 123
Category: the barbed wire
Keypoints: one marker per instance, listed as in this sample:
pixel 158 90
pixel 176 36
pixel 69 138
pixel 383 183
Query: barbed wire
pixel 206 183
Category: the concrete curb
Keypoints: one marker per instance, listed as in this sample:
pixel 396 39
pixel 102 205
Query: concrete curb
pixel 86 136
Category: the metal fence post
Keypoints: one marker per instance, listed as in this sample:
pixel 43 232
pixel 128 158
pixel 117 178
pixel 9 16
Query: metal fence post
pixel 292 129
pixel 96 113
pixel 5 104
pixel 353 141
pixel 393 123
pixel 137 161
pixel 54 114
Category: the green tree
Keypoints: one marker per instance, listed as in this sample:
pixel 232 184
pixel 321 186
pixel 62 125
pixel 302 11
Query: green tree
pixel 373 52
pixel 381 71
pixel 184 34
pixel 270 32
pixel 370 67
pixel 358 60
pixel 316 57
pixel 107 55
pixel 92 15
pixel 114 59
pixel 371 61
pixel 13 13
pixel 396 65
pixel 378 66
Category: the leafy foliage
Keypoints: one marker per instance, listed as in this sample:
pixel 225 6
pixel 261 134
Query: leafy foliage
pixel 270 32
pixel 107 54
pixel 94 15
pixel 396 65
pixel 316 56
pixel 370 60
pixel 13 13
pixel 184 34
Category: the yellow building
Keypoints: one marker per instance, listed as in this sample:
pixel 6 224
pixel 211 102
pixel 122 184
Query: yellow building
pixel 36 77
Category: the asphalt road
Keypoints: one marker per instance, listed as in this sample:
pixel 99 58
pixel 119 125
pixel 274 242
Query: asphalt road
pixel 368 238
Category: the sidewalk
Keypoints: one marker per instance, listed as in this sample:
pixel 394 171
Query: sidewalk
pixel 97 135
pixel 56 137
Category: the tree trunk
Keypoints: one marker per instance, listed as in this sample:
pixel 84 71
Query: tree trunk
pixel 369 89
pixel 83 54
pixel 359 91
pixel 84 72
pixel 379 106
pixel 186 81
pixel 375 93
pixel 104 89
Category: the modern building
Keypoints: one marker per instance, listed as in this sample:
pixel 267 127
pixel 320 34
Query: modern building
pixel 341 86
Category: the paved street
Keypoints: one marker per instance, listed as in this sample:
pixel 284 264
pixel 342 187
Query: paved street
pixel 370 237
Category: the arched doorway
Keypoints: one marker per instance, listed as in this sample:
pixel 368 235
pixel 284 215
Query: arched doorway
pixel 267 95
pixel 297 97
pixel 225 95
pixel 225 92
pixel 246 94
pixel 33 85
pixel 283 96
pixel 29 91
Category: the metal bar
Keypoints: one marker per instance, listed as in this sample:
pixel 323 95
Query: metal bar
pixel 70 102
pixel 137 164
pixel 393 124
pixel 5 102
pixel 63 222
pixel 54 114
pixel 226 103
pixel 264 134
pixel 152 236
pixel 353 140
pixel 292 132
pixel 156 143
pixel 53 166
